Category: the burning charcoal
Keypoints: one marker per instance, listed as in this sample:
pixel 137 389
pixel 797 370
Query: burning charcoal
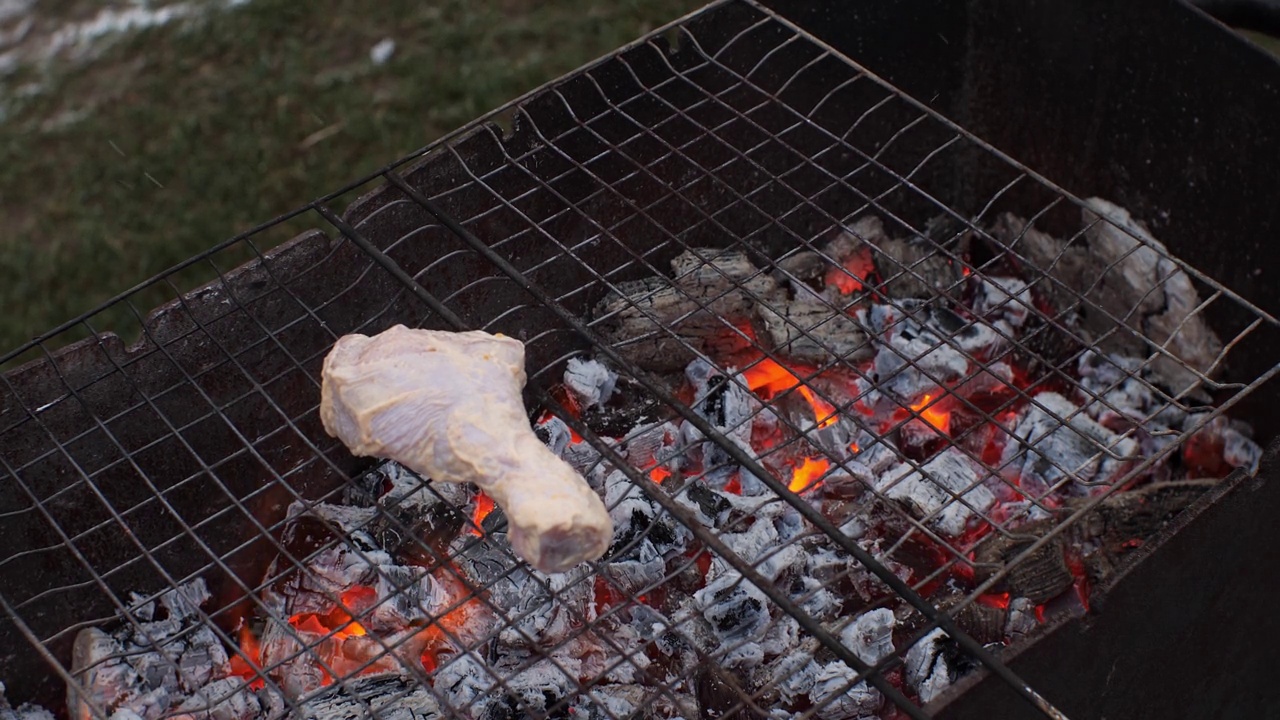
pixel 737 610
pixel 812 330
pixel 614 702
pixel 636 569
pixel 25 711
pixel 590 381
pixel 652 445
pixel 1003 299
pixel 837 699
pixel 556 435
pixel 147 668
pixel 534 607
pixel 1147 290
pixel 1221 446
pixel 1022 619
pixel 636 517
pixel 469 687
pixel 814 598
pixel 912 360
pixel 1040 577
pixel 1124 396
pixel 1055 442
pixel 910 268
pixel 388 697
pixel 662 324
pixel 946 490
pixel 870 636
pixel 1055 270
pixel 725 404
pixel 761 546
pixel 226 699
pixel 982 622
pixel 928 671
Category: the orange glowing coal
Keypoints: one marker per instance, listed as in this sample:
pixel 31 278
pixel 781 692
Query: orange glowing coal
pixel 659 473
pixel 849 279
pixel 934 415
pixel 807 474
pixel 338 621
pixel 247 663
pixel 767 378
pixel 484 506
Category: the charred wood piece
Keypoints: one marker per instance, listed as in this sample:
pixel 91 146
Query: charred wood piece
pixel 661 323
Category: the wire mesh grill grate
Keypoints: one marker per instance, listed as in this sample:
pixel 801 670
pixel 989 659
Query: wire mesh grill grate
pixel 192 453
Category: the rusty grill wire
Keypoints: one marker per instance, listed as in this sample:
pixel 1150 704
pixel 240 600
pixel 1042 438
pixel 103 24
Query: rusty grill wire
pixel 728 129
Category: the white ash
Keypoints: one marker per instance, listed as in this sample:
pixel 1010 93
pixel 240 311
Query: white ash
pixel 225 699
pixel 382 696
pixel 1239 450
pixel 408 492
pixel 868 586
pixel 1119 387
pixel 946 490
pixel 1022 619
pixel 148 668
pixel 737 611
pixel 635 515
pixel 910 360
pixel 654 444
pixel 1151 293
pixel 870 636
pixel 468 685
pixel 1054 443
pixel 556 435
pixel 837 699
pixel 25 711
pixel 926 667
pixel 724 403
pixel 536 608
pixel 590 381
pixel 639 568
pixel 761 546
pixel 1003 298
pixel 815 599
pixel 608 702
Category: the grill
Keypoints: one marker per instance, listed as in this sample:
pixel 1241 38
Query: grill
pixel 190 452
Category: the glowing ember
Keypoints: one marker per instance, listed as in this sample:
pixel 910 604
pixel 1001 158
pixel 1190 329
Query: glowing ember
pixel 767 378
pixel 850 278
pixel 940 419
pixel 659 473
pixel 484 506
pixel 807 474
pixel 853 448
pixel 248 663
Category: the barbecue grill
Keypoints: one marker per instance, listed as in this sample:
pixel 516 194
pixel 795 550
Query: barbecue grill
pixel 177 471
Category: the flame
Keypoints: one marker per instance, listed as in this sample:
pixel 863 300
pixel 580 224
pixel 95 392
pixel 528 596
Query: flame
pixel 807 474
pixel 767 378
pixel 940 419
pixel 659 473
pixel 339 623
pixel 247 663
pixel 484 506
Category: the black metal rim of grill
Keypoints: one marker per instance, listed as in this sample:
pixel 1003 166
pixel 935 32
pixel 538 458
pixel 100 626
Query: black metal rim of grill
pixel 693 66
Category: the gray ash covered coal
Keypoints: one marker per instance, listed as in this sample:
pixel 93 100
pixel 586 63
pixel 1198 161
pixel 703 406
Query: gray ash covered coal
pixel 875 375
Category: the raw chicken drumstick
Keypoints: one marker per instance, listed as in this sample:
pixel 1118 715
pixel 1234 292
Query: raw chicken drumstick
pixel 447 405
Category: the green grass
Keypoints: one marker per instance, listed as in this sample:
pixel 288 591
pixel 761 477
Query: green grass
pixel 183 136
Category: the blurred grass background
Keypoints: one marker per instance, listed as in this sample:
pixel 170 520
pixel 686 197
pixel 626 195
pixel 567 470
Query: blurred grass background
pixel 177 137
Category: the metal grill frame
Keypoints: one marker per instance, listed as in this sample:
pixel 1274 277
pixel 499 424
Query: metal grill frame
pixel 439 311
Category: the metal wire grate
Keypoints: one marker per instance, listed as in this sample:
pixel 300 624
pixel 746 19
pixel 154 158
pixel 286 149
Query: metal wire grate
pixel 139 468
